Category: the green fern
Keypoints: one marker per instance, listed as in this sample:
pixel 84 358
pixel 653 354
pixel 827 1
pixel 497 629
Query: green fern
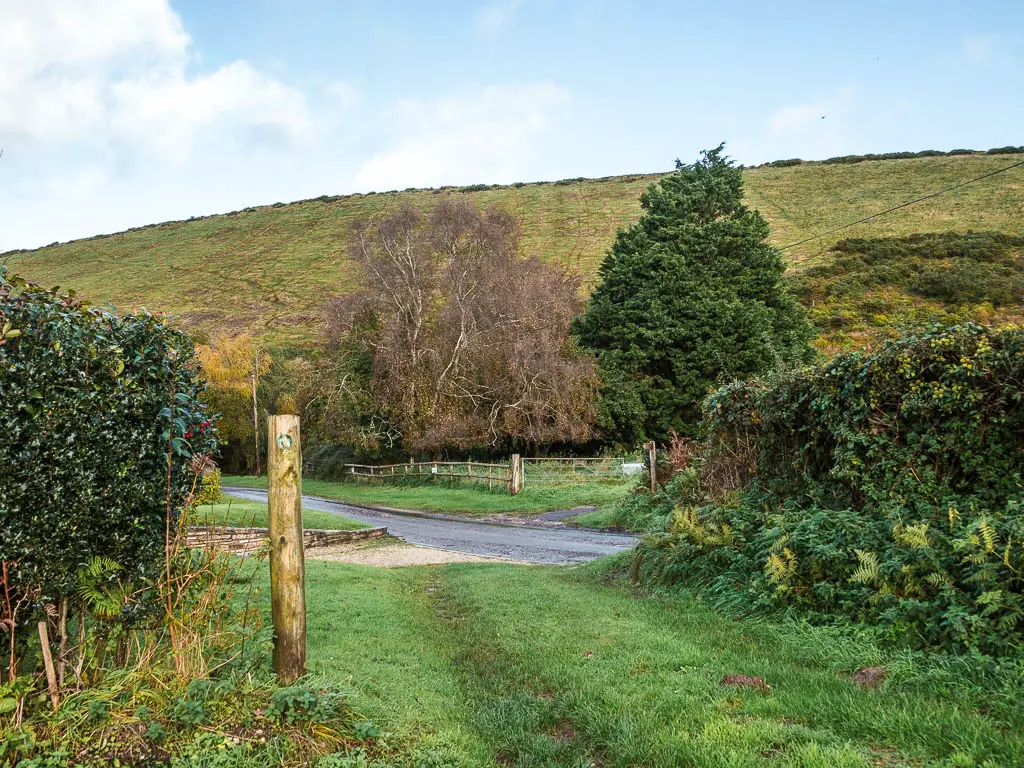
pixel 781 567
pixel 912 536
pixel 988 535
pixel 867 571
pixel 99 588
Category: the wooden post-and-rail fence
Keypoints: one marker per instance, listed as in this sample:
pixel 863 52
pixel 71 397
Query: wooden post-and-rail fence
pixel 509 475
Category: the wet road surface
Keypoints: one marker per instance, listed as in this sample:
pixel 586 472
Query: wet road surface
pixel 531 544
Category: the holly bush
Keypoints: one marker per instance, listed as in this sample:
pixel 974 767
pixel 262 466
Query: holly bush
pixel 100 418
pixel 881 487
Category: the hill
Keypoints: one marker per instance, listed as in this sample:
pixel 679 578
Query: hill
pixel 269 269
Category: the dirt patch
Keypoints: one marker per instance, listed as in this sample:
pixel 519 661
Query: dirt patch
pixel 563 731
pixel 395 555
pixel 745 681
pixel 869 678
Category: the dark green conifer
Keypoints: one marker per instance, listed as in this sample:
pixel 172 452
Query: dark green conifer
pixel 690 296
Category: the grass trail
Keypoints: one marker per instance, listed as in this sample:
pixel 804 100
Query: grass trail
pixel 458 500
pixel 474 665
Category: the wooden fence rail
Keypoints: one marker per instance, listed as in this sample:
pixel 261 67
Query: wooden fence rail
pixel 476 471
pixel 513 475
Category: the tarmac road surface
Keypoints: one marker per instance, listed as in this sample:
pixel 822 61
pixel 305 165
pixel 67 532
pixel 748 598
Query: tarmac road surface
pixel 526 543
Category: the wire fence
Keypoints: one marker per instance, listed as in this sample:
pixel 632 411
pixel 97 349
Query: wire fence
pixel 560 471
pixel 511 476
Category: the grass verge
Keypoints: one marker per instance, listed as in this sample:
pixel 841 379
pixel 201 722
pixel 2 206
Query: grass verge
pixel 485 665
pixel 242 512
pixel 457 500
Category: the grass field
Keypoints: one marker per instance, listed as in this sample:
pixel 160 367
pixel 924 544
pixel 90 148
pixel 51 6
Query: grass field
pixel 269 269
pixel 460 500
pixel 242 512
pixel 481 665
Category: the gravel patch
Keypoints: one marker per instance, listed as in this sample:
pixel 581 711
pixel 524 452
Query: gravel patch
pixel 396 555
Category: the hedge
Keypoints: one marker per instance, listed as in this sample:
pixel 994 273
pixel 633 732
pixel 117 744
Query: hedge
pixel 92 405
pixel 881 487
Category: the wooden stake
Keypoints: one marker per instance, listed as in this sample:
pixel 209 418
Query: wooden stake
pixel 62 645
pixel 652 454
pixel 287 563
pixel 255 421
pixel 516 481
pixel 51 673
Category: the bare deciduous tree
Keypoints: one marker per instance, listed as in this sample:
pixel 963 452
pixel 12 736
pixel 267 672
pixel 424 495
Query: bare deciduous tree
pixel 470 344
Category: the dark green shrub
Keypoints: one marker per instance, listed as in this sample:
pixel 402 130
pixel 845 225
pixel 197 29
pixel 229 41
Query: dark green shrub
pixel 299 703
pixel 965 280
pixel 327 462
pixel 967 274
pixel 95 409
pixel 884 488
pixel 646 512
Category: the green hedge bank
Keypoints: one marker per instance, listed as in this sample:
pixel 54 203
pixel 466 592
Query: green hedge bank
pixel 880 487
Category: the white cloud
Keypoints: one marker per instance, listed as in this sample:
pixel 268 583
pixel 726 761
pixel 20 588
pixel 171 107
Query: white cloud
pixel 344 93
pixel 482 137
pixel 169 112
pixel 812 130
pixel 492 18
pixel 107 70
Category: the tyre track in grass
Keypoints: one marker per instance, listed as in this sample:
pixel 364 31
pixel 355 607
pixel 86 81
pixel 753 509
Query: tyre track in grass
pixel 518 714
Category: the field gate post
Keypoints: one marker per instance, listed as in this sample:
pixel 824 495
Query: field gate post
pixel 516 480
pixel 287 561
pixel 652 455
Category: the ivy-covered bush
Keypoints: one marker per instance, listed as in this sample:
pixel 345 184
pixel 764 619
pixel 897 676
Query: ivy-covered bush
pixel 99 417
pixel 883 487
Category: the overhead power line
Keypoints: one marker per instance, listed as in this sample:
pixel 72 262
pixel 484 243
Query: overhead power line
pixel 902 205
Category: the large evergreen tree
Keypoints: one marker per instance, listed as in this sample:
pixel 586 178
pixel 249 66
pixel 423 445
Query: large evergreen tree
pixel 691 295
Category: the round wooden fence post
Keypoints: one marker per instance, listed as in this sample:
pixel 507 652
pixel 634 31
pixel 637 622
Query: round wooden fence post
pixel 287 562
pixel 516 478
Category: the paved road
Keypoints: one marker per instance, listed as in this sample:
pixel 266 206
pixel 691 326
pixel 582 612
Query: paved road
pixel 531 544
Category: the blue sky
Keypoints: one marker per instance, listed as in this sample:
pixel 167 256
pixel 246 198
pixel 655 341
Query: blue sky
pixel 118 113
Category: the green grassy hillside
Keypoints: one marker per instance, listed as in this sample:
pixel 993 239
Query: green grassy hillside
pixel 269 269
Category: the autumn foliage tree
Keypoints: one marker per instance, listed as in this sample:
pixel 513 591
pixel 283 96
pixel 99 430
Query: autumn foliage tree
pixel 468 343
pixel 232 366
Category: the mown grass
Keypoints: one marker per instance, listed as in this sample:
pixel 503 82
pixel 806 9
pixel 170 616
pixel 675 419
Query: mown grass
pixel 269 269
pixel 481 665
pixel 244 513
pixel 459 500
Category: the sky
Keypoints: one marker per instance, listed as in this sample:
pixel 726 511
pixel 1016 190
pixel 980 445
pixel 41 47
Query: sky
pixel 120 113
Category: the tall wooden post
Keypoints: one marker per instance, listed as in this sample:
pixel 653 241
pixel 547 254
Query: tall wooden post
pixel 516 479
pixel 255 423
pixel 287 563
pixel 652 455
